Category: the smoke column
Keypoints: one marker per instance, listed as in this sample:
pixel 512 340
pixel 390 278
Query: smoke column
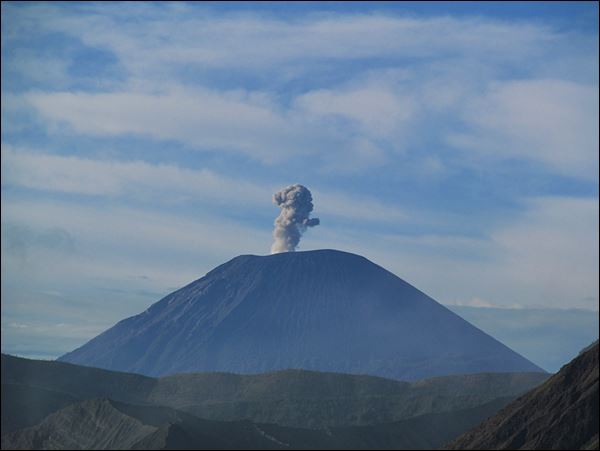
pixel 296 204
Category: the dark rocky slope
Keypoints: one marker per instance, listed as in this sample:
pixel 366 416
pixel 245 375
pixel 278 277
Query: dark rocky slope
pixel 562 413
pixel 106 424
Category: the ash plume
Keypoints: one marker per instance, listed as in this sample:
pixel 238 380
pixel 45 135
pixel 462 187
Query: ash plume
pixel 296 204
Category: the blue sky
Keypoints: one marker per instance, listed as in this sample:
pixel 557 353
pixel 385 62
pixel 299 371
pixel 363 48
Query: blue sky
pixel 455 144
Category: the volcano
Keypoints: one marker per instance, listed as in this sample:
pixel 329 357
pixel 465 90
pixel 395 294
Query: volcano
pixel 322 310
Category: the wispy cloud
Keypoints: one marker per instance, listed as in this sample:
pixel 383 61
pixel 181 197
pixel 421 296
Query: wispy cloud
pixel 168 183
pixel 552 251
pixel 554 123
pixel 225 121
pixel 124 179
pixel 549 121
pixel 171 38
pixel 482 303
pixel 445 68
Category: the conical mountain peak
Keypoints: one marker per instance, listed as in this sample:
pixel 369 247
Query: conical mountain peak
pixel 324 310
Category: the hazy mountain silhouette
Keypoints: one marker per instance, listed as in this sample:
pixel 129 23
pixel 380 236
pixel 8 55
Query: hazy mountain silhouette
pixel 55 405
pixel 321 310
pixel 562 413
pixel 33 389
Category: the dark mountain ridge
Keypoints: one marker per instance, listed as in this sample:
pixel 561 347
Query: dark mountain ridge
pixel 562 413
pixel 106 424
pixel 33 389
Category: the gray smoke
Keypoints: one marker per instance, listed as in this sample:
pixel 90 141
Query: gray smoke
pixel 296 204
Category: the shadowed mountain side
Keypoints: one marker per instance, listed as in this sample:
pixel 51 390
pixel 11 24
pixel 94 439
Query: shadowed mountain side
pixel 562 413
pixel 292 398
pixel 25 405
pixel 308 399
pixel 587 348
pixel 319 310
pixel 106 424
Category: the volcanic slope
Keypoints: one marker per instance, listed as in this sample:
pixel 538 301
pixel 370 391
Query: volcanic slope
pixel 321 310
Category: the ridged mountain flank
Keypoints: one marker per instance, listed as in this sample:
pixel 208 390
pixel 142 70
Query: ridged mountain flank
pixel 320 310
pixel 562 413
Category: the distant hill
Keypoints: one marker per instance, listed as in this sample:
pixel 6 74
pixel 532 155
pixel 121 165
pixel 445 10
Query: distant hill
pixel 321 310
pixel 562 413
pixel 33 389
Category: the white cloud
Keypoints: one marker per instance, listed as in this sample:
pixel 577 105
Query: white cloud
pixel 236 121
pixel 230 121
pixel 100 283
pixel 482 303
pixel 551 254
pixel 168 183
pixel 342 126
pixel 361 208
pixel 136 179
pixel 549 121
pixel 134 230
pixel 35 68
pixel 353 127
pixel 167 39
pixel 378 110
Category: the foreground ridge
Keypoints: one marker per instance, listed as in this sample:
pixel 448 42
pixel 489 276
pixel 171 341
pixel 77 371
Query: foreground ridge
pixel 562 413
